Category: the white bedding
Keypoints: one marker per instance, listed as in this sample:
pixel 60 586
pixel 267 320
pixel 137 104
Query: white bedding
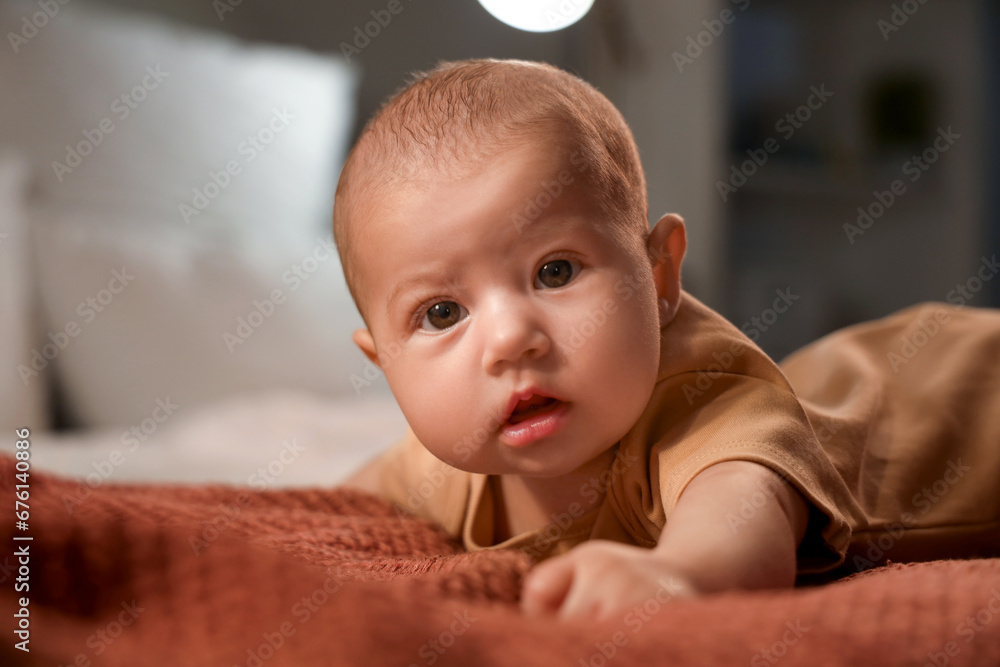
pixel 195 279
pixel 296 439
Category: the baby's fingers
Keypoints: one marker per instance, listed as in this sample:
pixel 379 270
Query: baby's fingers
pixel 546 586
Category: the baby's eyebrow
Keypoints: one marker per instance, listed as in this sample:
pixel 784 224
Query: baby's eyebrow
pixel 409 283
pixel 554 221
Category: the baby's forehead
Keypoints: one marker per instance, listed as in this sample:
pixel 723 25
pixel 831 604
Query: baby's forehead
pixel 437 212
pixel 386 190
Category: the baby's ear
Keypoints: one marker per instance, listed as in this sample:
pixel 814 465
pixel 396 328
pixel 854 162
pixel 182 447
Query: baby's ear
pixel 666 245
pixel 363 339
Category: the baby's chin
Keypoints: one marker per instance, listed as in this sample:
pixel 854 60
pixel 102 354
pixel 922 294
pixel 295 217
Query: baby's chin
pixel 556 462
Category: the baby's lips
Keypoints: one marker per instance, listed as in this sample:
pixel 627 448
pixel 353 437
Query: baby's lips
pixel 526 408
pixel 522 398
pixel 523 394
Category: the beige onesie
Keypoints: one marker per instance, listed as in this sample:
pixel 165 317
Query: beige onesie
pixel 890 429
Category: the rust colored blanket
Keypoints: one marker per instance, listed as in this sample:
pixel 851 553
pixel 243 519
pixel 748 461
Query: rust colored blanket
pixel 211 575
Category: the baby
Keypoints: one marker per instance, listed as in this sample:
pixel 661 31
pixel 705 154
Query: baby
pixel 565 396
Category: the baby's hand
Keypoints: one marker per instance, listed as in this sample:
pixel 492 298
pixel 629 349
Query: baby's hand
pixel 600 580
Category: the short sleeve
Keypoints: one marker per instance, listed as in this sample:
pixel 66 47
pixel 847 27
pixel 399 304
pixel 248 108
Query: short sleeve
pixel 698 420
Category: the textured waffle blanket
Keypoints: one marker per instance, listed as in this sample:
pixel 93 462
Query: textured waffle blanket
pixel 212 575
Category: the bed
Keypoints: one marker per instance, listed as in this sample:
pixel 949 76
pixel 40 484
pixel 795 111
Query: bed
pixel 213 575
pixel 171 298
pixel 169 292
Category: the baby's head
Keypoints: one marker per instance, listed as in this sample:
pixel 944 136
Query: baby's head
pixel 492 224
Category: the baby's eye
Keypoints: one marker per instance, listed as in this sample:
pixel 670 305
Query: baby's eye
pixel 557 273
pixel 442 315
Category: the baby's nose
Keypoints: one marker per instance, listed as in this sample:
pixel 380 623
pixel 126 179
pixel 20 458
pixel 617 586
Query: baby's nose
pixel 513 334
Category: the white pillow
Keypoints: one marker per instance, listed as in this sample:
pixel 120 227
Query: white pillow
pixel 181 178
pixel 22 390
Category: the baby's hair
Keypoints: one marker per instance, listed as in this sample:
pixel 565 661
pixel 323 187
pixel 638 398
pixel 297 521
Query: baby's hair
pixel 448 120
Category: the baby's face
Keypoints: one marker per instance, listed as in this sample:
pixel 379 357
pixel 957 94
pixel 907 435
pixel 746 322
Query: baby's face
pixel 511 348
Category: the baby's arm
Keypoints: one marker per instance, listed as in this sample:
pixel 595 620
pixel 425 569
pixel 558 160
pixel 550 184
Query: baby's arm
pixel 711 541
pixel 701 550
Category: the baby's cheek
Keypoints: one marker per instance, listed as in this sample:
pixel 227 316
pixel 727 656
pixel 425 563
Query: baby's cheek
pixel 445 417
pixel 632 370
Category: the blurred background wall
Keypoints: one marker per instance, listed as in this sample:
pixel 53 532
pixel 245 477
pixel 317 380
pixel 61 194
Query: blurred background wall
pixel 703 83
pixel 832 160
pixel 622 46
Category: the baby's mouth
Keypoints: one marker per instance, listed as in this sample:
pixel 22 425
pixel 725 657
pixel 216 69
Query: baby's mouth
pixel 531 407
